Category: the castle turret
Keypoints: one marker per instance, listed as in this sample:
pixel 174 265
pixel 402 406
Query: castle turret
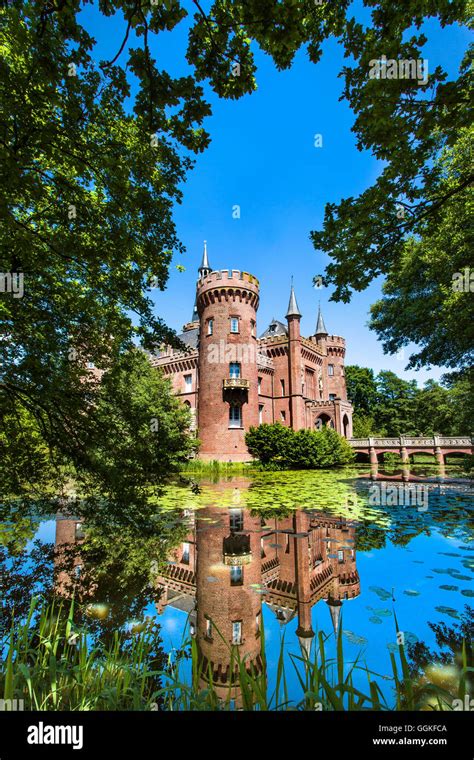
pixel 335 347
pixel 297 411
pixel 227 303
pixel 228 608
pixel 304 631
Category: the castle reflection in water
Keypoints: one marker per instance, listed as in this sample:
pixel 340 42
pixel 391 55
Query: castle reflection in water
pixel 233 560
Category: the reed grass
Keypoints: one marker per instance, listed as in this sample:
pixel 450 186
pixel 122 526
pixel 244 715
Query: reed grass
pixel 325 684
pixel 213 468
pixel 51 664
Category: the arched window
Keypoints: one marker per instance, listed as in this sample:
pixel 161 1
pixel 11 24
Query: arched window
pixel 345 426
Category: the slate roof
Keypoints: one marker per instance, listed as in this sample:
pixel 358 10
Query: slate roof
pixel 274 328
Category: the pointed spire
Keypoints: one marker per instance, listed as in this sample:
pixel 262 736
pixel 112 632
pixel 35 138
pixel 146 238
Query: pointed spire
pixel 305 644
pixel 293 310
pixel 320 326
pixel 204 269
pixel 335 610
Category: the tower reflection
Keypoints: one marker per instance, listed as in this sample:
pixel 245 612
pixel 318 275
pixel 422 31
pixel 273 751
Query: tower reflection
pixel 233 560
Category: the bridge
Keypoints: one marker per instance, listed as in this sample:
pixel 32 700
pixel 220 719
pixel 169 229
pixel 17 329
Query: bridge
pixel 404 446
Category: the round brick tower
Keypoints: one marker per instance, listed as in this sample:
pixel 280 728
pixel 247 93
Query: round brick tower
pixel 227 303
pixel 228 606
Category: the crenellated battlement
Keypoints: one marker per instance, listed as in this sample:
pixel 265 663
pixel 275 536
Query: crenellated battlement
pixel 336 340
pixel 234 276
pixel 229 285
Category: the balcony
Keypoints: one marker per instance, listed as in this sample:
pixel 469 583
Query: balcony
pixel 236 550
pixel 237 383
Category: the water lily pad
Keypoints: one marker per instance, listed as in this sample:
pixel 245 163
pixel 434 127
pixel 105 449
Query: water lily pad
pixel 447 611
pixel 353 638
pixel 450 554
pixel 375 620
pixel 382 593
pixel 449 588
pixel 411 592
pixel 467 592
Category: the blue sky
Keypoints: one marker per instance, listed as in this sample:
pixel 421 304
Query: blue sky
pixel 262 158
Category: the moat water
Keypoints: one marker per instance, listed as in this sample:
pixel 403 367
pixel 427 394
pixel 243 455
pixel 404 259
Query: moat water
pixel 284 556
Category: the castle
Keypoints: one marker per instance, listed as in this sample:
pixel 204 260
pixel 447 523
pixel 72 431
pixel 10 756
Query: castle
pixel 232 380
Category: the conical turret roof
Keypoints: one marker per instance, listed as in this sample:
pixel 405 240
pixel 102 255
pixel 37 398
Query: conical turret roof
pixel 320 326
pixel 293 310
pixel 205 267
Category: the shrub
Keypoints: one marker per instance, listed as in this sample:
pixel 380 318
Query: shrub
pixel 268 443
pixel 300 449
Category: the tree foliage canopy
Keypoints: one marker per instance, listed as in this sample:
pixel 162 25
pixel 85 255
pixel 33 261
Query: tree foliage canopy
pixel 93 166
pixel 386 404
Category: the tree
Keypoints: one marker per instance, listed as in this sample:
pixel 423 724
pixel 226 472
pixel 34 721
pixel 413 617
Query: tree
pixel 427 297
pixel 363 425
pixel 396 404
pixel 125 442
pixel 87 209
pixel 461 388
pixel 361 388
pixel 434 411
pixel 450 641
pixel 410 225
pixel 388 405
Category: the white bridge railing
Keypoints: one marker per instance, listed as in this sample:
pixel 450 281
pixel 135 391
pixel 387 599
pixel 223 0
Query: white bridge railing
pixel 402 441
